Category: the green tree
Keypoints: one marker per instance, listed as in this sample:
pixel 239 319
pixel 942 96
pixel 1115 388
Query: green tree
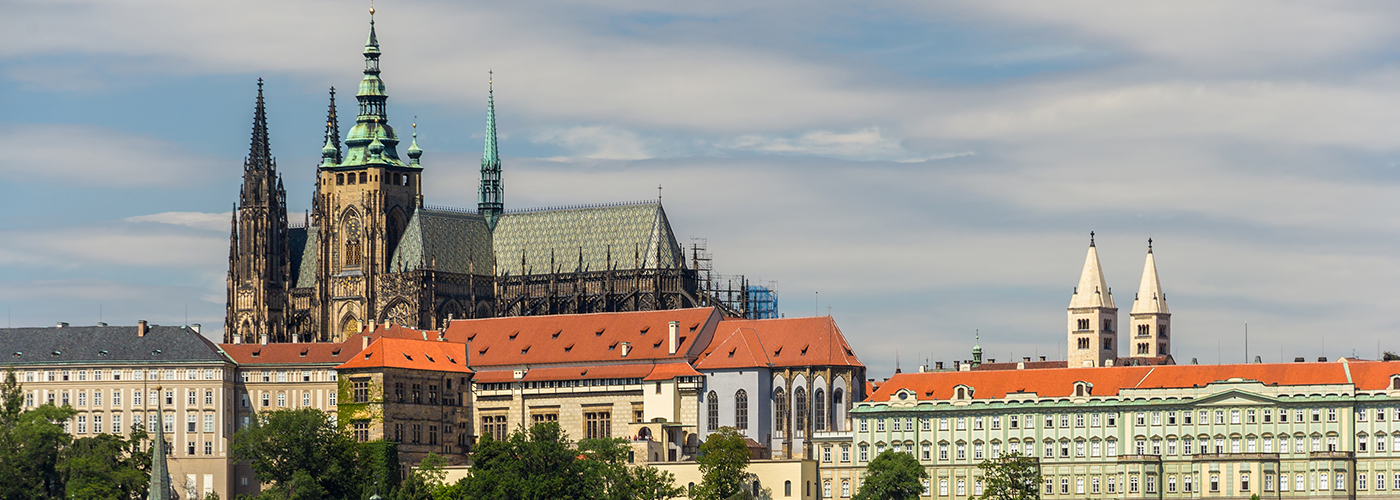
pixel 424 481
pixel 1012 476
pixel 892 475
pixel 291 447
pixel 106 466
pixel 608 477
pixel 723 458
pixel 31 445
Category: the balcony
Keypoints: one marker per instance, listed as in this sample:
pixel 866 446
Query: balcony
pixel 1140 458
pixel 1332 455
pixel 1235 457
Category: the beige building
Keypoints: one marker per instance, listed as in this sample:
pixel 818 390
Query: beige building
pixel 794 479
pixel 117 377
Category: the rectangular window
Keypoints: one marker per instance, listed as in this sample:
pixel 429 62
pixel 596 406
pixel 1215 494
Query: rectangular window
pixel 1049 421
pixel 1112 420
pixel 1316 415
pixel 1094 449
pixel 928 453
pixel 924 423
pixel 1331 414
pixel 1171 484
pixel 191 421
pixel 1064 420
pixel 1112 484
pixel 879 425
pixel 942 451
pixel 996 423
pixel 1234 416
pixel 1112 448
pixel 1133 483
pixel 962 423
pixel 976 451
pixel 1171 447
pixel 1186 483
pixel 1015 422
pixel 845 453
pixel 865 453
pixel 208 397
pixel 1186 417
pixel 976 424
pixel 1064 486
pixel 82 398
pixel 599 424
pixel 82 424
pixel 208 447
pixel 1156 418
pixel 1151 483
pixel 962 451
pixel 1268 416
pixel 943 423
pixel 1078 448
pixel 864 424
pixel 1244 482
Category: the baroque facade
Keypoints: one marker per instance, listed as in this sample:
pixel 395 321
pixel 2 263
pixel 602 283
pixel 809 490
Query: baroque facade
pixel 371 251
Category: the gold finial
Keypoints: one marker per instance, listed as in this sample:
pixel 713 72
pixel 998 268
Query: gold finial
pixel 371 7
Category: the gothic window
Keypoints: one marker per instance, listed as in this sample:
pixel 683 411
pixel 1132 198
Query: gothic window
pixel 713 404
pixel 780 410
pixel 1108 343
pixel 351 178
pixel 1162 331
pixel 351 327
pixel 741 410
pixel 799 398
pixel 363 177
pixel 820 414
pixel 1083 324
pixel 1142 348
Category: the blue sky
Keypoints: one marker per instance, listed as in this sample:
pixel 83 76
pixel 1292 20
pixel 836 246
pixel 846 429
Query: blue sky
pixel 932 169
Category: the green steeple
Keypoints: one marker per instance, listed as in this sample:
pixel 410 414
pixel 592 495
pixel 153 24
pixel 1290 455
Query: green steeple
pixel 490 203
pixel 977 350
pixel 160 471
pixel 414 152
pixel 371 141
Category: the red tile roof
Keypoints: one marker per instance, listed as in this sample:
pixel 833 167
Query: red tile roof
pixel 291 354
pixel 811 341
pixel 411 354
pixel 1373 375
pixel 581 338
pixel 668 371
pixel 996 384
pixel 641 371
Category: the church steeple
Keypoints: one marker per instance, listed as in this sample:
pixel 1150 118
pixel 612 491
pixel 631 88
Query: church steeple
pixel 372 122
pixel 490 202
pixel 258 255
pixel 1093 317
pixel 259 151
pixel 159 485
pixel 1151 320
pixel 333 130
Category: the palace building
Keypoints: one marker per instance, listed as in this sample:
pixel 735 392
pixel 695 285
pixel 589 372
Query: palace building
pixel 371 251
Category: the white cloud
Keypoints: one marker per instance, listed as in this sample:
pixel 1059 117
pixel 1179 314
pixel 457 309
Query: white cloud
pixel 91 155
pixel 197 220
pixel 597 142
pixel 866 144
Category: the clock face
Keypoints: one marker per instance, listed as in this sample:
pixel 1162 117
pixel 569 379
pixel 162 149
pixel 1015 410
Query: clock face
pixel 352 229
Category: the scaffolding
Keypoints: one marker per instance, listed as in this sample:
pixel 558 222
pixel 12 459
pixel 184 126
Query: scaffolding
pixel 735 296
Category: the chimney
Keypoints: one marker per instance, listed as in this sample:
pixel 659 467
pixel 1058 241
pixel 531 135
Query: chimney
pixel 1322 359
pixel 938 365
pixel 372 326
pixel 441 337
pixel 141 328
pixel 1299 359
pixel 364 342
pixel 100 323
pixel 923 368
pixel 957 366
pixel 1021 365
pixel 1026 359
pixel 295 338
pixel 194 327
pixel 62 324
pixel 1108 362
pixel 237 339
pixel 627 347
pixel 263 341
pixel 1042 358
pixel 675 336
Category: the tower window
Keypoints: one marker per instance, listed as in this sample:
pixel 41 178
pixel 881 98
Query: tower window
pixel 1142 348
pixel 1162 331
pixel 1108 343
pixel 339 179
pixel 364 177
pixel 1084 343
pixel 1108 325
pixel 1083 324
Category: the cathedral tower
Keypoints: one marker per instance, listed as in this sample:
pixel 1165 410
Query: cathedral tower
pixel 1151 320
pixel 259 266
pixel 364 200
pixel 490 201
pixel 1093 317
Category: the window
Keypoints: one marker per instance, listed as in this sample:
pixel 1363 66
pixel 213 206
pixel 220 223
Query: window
pixel 865 452
pixel 1064 486
pixel 1316 415
pixel 1015 422
pixel 330 398
pixel 927 453
pixel 943 423
pixel 1049 486
pixel 1156 418
pixel 845 453
pixel 1331 414
pixel 799 396
pixel 943 487
pixel 1112 484
pixel 208 422
pixel 599 424
pixel 996 423
pixel 191 421
pixel 1186 483
pixel 1094 485
pixel 360 389
pixel 1234 416
pixel 1268 416
pixel 962 451
pixel 192 397
pixel 1171 484
pixel 82 398
pixel 82 424
pixel 208 397
pixel 962 487
pixel 942 451
pixel 826 454
pixel 305 398
pixel 1112 448
pixel 976 451
pixel 1151 483
pixel 713 410
pixel 1214 482
pixel 864 425
pixel 281 400
pixel 208 447
pixel 819 412
pixel 1220 417
pixel 976 424
pixel 1244 482
pixel 1112 419
pixel 880 425
pixel 741 410
pixel 1360 482
pixel 1300 483
pixel 845 488
pixel 1094 449
pixel 266 399
pixel 1078 448
pixel 962 423
pixel 924 423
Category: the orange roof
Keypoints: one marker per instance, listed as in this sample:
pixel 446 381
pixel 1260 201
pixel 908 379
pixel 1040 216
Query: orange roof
pixel 811 341
pixel 633 370
pixel 411 354
pixel 668 371
pixel 1373 375
pixel 581 338
pixel 291 354
pixel 996 384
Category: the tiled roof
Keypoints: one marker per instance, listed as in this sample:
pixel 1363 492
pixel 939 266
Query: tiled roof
pixel 630 233
pixel 996 384
pixel 668 371
pixel 291 354
pixel 105 344
pixel 412 354
pixel 1029 365
pixel 810 341
pixel 302 243
pixel 582 338
pixel 586 372
pixel 447 241
pixel 1373 375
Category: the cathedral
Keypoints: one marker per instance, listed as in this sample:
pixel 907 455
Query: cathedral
pixel 370 251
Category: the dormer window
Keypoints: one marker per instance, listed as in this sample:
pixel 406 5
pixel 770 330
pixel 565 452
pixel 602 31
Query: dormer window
pixel 1395 384
pixel 1083 389
pixel 962 392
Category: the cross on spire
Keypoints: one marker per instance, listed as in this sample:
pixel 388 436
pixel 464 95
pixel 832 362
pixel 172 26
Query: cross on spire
pixel 1091 238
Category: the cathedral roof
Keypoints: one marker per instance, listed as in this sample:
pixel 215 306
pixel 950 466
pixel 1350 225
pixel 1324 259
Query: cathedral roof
pixel 627 236
pixel 302 244
pixel 582 238
pixel 106 344
pixel 447 241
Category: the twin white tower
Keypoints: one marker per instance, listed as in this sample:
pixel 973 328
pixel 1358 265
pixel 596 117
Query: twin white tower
pixel 1093 318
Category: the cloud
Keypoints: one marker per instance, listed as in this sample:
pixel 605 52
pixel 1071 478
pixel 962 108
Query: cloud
pixel 197 220
pixel 597 142
pixel 866 145
pixel 97 156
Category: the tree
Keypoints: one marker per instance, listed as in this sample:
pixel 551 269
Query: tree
pixel 723 458
pixel 290 447
pixel 1012 476
pixel 423 481
pixel 607 476
pixel 106 466
pixel 31 445
pixel 892 475
pixel 537 463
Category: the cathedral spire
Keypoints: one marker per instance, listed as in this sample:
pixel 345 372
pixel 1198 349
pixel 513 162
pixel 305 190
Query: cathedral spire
pixel 333 129
pixel 260 151
pixel 159 485
pixel 1093 288
pixel 1151 319
pixel 490 202
pixel 371 128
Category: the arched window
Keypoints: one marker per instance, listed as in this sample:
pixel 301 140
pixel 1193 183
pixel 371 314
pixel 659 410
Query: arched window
pixel 353 234
pixel 741 410
pixel 819 403
pixel 714 410
pixel 780 411
pixel 799 397
pixel 787 487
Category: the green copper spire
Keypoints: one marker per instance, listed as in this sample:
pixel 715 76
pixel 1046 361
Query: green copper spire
pixel 490 203
pixel 414 152
pixel 160 471
pixel 371 130
pixel 977 350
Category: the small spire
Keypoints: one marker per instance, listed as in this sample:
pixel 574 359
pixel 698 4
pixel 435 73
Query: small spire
pixel 260 151
pixel 333 130
pixel 1091 238
pixel 414 152
pixel 1149 245
pixel 491 195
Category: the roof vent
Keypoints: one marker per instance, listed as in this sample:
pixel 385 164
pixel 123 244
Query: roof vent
pixel 406 356
pixel 18 354
pixel 556 334
pixel 1322 359
pixel 335 352
pixel 303 352
pixel 1299 359
pixel 526 350
pixel 62 324
pixel 101 353
pixel 56 353
pixel 599 333
pixel 430 358
pixel 568 348
pixel 99 323
pixel 512 336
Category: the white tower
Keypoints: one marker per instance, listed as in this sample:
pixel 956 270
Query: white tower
pixel 1093 318
pixel 1151 320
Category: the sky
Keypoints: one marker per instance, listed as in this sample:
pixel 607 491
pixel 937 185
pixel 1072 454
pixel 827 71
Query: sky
pixel 925 172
